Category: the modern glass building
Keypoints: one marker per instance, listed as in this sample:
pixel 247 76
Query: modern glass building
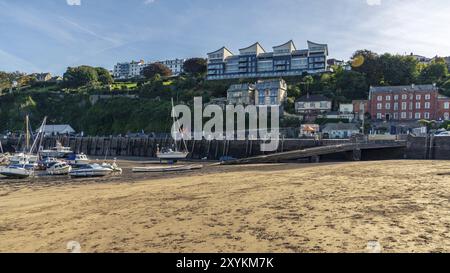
pixel 255 62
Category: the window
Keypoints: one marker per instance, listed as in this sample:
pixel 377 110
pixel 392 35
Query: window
pixel 427 105
pixel 446 116
pixel 418 97
pixel 379 106
pixel 427 96
pixel 388 106
pixel 379 116
pixel 404 106
pixel 395 115
pixel 404 97
pixel 418 115
pixel 447 105
pixel 403 115
pixel 388 97
pixel 379 98
pixel 418 105
pixel 427 115
pixel 396 97
pixel 396 106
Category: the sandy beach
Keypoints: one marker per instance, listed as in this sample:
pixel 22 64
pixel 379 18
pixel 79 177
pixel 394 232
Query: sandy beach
pixel 329 207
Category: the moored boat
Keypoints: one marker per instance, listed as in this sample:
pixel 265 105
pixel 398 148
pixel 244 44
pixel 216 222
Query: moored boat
pixel 59 168
pixel 17 171
pixel 59 151
pixel 91 170
pixel 78 159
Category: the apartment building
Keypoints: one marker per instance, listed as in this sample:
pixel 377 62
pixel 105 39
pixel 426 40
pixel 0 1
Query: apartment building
pixel 255 62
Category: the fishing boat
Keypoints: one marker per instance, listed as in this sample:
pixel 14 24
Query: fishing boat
pixel 59 151
pixel 172 153
pixel 90 170
pixel 59 168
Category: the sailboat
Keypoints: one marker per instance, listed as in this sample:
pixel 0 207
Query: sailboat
pixel 22 165
pixel 172 153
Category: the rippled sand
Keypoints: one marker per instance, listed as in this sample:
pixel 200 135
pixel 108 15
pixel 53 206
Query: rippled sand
pixel 338 207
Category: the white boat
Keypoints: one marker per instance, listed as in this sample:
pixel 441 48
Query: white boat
pixel 22 158
pixel 17 171
pixel 91 170
pixel 114 167
pixel 158 169
pixel 59 168
pixel 172 154
pixel 78 159
pixel 57 152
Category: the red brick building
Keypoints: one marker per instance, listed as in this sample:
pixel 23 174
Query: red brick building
pixel 412 102
pixel 360 108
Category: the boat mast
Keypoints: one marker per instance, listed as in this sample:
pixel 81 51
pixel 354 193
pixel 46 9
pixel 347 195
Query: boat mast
pixel 179 126
pixel 27 141
pixel 39 137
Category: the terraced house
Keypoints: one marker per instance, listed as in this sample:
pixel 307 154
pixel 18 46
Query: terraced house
pixel 255 62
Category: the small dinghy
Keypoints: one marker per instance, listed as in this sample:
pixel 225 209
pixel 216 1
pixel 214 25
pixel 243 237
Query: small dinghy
pixel 158 169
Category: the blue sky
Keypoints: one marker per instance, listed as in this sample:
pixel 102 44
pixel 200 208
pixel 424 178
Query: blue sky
pixel 49 35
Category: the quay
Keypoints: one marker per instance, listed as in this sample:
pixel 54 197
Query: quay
pixel 405 147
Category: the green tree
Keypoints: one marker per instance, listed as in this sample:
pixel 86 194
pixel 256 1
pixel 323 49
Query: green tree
pixel 368 63
pixel 195 66
pixel 434 72
pixel 352 85
pixel 80 76
pixel 156 69
pixel 399 70
pixel 104 76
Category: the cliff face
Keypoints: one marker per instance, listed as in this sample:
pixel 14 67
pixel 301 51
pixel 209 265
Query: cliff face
pixel 114 115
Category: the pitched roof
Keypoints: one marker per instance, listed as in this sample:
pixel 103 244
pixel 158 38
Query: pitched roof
pixel 222 49
pixel 255 48
pixel 314 46
pixel 403 88
pixel 340 126
pixel 288 45
pixel 312 98
pixel 62 129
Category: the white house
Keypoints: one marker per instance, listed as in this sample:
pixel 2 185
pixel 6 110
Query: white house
pixel 62 129
pixel 340 130
pixel 125 71
pixel 175 65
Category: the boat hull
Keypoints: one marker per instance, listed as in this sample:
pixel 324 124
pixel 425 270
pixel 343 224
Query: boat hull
pixel 15 173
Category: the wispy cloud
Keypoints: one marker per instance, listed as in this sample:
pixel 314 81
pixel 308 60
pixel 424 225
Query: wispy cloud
pixel 148 2
pixel 13 62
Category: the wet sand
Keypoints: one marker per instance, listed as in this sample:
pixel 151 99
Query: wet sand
pixel 334 207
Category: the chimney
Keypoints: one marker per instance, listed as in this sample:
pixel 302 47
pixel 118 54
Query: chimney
pixel 413 86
